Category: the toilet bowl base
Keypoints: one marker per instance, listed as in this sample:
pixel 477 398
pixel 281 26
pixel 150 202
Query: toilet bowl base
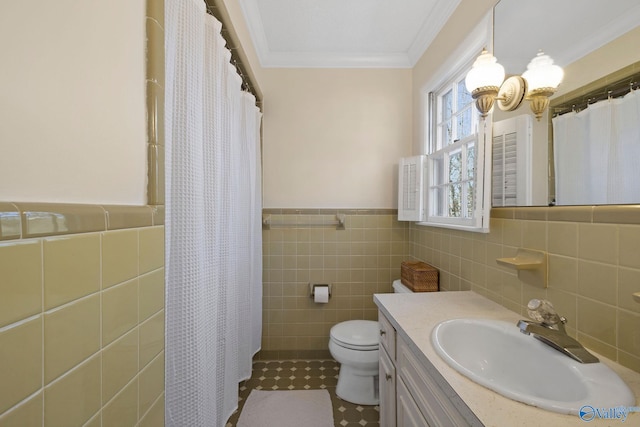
pixel 357 388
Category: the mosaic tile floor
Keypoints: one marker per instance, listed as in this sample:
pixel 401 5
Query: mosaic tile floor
pixel 306 375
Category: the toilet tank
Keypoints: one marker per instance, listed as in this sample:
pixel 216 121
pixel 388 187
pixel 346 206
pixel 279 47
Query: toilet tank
pixel 399 288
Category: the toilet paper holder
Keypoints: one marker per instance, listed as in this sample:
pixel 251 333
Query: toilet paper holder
pixel 313 286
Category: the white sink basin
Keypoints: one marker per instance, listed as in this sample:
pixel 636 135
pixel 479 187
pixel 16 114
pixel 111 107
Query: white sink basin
pixel 498 356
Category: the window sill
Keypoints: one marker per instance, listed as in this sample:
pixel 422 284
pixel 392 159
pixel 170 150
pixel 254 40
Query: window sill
pixel 469 228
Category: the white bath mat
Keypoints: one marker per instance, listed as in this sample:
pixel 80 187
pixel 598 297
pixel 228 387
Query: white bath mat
pixel 287 408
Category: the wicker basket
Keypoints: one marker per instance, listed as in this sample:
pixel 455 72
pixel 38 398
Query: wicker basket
pixel 419 276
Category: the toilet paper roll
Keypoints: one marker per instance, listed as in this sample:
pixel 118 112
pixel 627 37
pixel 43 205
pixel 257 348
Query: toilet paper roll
pixel 321 294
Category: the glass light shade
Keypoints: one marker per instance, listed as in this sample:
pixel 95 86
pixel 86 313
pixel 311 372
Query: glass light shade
pixel 485 72
pixel 541 73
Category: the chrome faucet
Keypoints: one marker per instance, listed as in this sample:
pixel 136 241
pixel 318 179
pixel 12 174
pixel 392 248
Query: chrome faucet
pixel 548 327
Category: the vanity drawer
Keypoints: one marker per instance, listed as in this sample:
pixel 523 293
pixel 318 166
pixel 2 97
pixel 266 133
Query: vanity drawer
pixel 408 413
pixel 432 400
pixel 387 335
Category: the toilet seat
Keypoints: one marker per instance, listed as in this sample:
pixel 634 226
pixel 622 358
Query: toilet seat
pixel 359 335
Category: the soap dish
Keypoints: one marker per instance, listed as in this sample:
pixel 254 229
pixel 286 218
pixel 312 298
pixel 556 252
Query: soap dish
pixel 530 264
pixel 525 259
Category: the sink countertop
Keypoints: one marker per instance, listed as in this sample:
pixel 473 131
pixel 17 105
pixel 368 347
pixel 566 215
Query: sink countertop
pixel 415 315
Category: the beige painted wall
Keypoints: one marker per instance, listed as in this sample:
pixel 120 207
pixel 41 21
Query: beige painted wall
pixel 611 57
pixel 72 101
pixel 332 138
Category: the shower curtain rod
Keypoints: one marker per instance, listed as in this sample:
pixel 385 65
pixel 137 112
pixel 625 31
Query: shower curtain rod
pixel 612 90
pixel 214 8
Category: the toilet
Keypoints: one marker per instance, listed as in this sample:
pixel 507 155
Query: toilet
pixel 354 344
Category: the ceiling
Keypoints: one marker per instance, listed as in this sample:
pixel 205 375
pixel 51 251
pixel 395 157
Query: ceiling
pixel 344 33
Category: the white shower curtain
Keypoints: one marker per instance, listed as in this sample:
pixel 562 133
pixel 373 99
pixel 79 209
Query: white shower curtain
pixel 213 228
pixel 596 153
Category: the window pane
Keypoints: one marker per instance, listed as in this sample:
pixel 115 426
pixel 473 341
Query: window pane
pixel 446 115
pixel 455 167
pixel 447 105
pixel 464 97
pixel 471 200
pixel 471 161
pixel 464 123
pixel 464 110
pixel 455 200
pixel 446 135
pixel 438 172
pixel 436 195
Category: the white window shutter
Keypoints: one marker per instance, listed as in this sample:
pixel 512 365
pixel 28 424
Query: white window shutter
pixel 411 189
pixel 512 156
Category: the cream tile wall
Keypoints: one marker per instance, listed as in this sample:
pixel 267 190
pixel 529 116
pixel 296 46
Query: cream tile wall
pixel 358 261
pixel 594 268
pixel 82 329
pixel 82 296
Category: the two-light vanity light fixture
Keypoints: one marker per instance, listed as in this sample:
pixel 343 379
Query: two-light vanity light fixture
pixel 486 83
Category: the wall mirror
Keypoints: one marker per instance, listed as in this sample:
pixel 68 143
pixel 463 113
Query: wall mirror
pixel 590 39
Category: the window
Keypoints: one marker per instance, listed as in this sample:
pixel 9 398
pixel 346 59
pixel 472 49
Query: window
pixel 455 181
pixel 455 166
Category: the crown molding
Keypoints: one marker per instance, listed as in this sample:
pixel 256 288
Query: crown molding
pixel 430 29
pixel 273 59
pixel 334 60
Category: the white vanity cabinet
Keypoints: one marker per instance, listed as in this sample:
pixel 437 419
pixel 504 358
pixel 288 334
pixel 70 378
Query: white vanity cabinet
pixel 426 391
pixel 387 376
pixel 408 413
pixel 431 394
pixel 413 394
